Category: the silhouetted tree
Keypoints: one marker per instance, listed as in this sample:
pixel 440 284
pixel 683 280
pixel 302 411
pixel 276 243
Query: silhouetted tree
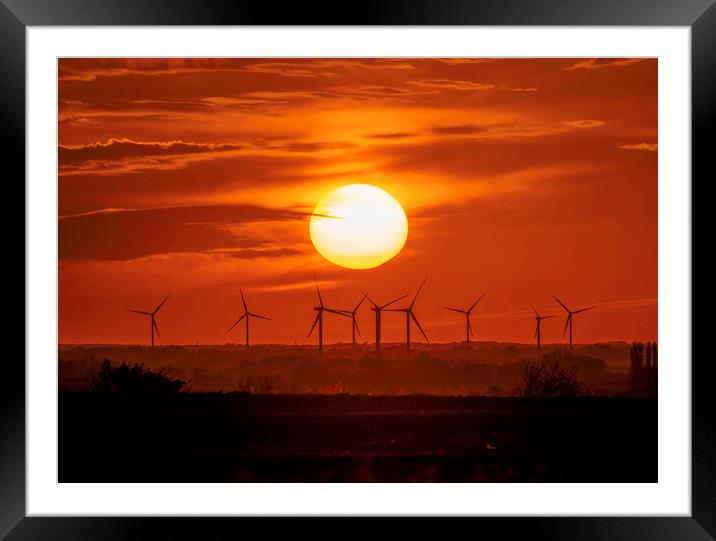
pixel 643 377
pixel 133 379
pixel 547 377
pixel 653 383
pixel 636 354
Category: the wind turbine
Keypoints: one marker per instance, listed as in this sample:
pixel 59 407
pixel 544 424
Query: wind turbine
pixel 154 326
pixel 538 329
pixel 352 314
pixel 408 315
pixel 246 315
pixel 568 322
pixel 468 327
pixel 319 319
pixel 378 309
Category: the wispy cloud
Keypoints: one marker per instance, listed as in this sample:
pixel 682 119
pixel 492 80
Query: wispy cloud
pixel 630 303
pixel 584 124
pixel 461 129
pixel 121 149
pixel 279 286
pixel 462 61
pixel 89 70
pixel 452 84
pixel 117 156
pixel 394 135
pixel 648 147
pixel 255 253
pixel 600 63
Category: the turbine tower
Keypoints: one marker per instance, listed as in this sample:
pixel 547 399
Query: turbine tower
pixel 409 314
pixel 538 329
pixel 378 309
pixel 354 323
pixel 568 322
pixel 153 321
pixel 246 315
pixel 468 326
pixel 319 319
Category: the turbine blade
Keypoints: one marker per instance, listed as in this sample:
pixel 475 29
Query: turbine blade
pixel 237 322
pixel 566 322
pixel 393 301
pixel 320 299
pixel 160 305
pixel 475 303
pixel 546 317
pixel 369 299
pixel 536 330
pixel 469 327
pixel 139 312
pixel 535 311
pixel 258 316
pixel 318 315
pixel 156 327
pixel 412 315
pixel 355 324
pixel 361 302
pixel 243 301
pixel 455 310
pixel 418 292
pixel 561 303
pixel 583 310
pixel 338 312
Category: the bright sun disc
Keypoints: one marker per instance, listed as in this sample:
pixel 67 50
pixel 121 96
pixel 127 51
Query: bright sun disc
pixel 358 226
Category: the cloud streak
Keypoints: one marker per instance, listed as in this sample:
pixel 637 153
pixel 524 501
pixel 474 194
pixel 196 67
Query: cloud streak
pixel 452 84
pixel 123 149
pixel 648 147
pixel 601 63
pixel 122 234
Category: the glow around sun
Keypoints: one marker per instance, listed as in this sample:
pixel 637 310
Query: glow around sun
pixel 358 226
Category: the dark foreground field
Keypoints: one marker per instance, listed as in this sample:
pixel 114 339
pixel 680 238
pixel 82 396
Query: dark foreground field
pixel 239 437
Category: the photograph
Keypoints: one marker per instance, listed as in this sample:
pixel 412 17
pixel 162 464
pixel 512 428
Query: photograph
pixel 357 270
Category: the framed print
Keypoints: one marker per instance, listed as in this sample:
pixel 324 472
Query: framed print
pixel 426 262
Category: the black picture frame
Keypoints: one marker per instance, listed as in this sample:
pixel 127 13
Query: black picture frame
pixel 16 15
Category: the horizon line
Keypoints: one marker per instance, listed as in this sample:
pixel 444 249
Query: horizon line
pixel 359 344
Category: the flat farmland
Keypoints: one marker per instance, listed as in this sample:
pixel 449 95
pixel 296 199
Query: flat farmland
pixel 240 437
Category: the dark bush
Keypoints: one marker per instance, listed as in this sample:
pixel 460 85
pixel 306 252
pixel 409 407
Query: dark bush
pixel 547 377
pixel 262 384
pixel 133 379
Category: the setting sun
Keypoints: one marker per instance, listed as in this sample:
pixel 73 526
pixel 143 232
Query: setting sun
pixel 358 226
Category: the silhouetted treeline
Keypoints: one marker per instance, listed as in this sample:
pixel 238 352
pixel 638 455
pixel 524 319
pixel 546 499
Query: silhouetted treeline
pixel 133 379
pixel 448 371
pixel 644 369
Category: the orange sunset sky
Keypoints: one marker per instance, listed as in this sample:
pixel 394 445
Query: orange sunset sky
pixel 521 178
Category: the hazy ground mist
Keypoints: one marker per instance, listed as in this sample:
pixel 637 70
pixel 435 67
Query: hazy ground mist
pixel 493 369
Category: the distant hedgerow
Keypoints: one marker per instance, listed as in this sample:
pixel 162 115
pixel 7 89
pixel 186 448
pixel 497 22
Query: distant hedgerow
pixel 269 384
